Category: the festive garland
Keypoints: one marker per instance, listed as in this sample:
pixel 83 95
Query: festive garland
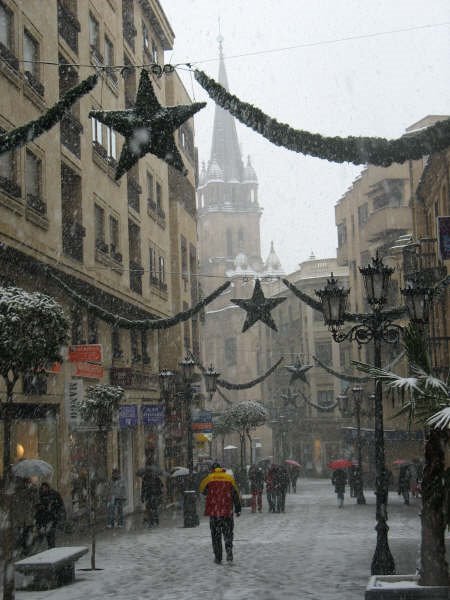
pixel 238 386
pixel 26 133
pixel 141 324
pixel 326 408
pixel 354 378
pixel 356 150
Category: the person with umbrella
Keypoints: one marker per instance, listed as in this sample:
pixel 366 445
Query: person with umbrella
pixel 151 495
pixel 256 477
pixel 50 513
pixel 339 480
pixel 404 482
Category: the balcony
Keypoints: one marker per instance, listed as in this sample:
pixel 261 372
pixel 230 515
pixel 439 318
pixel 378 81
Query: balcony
pixel 10 187
pixel 36 204
pixel 387 219
pixel 70 132
pixel 9 57
pixel 34 82
pixel 68 27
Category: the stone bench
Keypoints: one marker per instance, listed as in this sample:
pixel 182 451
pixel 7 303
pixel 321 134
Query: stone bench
pixel 49 569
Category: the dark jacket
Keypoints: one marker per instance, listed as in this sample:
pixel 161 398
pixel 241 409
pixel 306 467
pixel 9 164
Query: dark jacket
pixel 256 476
pixel 50 508
pixel 339 480
pixel 152 486
pixel 222 494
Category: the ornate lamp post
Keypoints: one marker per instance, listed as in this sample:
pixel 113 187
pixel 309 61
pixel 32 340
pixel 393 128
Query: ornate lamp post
pixel 187 368
pixel 375 327
pixel 211 376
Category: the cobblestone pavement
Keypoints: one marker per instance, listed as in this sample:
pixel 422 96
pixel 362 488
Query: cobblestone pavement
pixel 314 551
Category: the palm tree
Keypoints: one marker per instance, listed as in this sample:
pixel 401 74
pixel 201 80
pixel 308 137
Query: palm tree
pixel 425 399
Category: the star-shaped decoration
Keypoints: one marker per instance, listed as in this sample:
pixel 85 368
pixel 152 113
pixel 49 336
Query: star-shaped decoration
pixel 298 371
pixel 289 399
pixel 148 127
pixel 258 307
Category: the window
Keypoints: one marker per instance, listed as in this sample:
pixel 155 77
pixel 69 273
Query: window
pixel 6 27
pixel 109 52
pixel 94 34
pixel 111 143
pixel 114 235
pixel 117 351
pixel 325 398
pixel 76 319
pixel 33 182
pixel 363 214
pixel 158 196
pixel 144 348
pixel 73 231
pixel 162 271
pixel 99 218
pixel 92 329
pixel 31 55
pixel 323 352
pixel 342 233
pixel 96 131
pixel 152 266
pixel 145 38
pixel 154 52
pixel 230 351
pixel 150 191
pixel 134 341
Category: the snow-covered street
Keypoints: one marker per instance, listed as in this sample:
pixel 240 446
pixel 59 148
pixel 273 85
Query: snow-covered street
pixel 314 551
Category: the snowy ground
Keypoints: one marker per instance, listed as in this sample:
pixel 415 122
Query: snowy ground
pixel 314 551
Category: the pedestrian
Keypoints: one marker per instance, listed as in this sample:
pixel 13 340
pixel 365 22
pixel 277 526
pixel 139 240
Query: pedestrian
pixel 270 487
pixel 115 499
pixel 339 480
pixel 222 494
pixel 23 514
pixel 256 477
pixel 404 483
pixel 50 513
pixel 151 494
pixel 294 473
pixel 281 484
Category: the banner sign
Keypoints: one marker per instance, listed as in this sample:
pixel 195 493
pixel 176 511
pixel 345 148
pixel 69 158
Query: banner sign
pixel 153 414
pixel 128 416
pixel 73 395
pixel 202 421
pixel 89 370
pixel 85 353
pixel 443 227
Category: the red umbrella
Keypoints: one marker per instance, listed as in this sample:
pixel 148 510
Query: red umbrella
pixel 294 463
pixel 340 463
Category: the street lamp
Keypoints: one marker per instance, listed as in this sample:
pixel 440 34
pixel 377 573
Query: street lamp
pixel 376 326
pixel 211 376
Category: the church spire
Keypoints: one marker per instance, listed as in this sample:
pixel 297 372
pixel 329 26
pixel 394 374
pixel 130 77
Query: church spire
pixel 225 145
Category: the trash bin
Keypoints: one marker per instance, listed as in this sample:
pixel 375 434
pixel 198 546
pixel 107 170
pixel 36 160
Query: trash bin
pixel 190 509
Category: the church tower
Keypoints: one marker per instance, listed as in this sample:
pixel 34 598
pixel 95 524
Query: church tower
pixel 228 210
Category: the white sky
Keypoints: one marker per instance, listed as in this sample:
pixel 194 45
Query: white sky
pixel 376 85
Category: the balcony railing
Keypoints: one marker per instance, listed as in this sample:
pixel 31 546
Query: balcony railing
pixel 36 203
pixel 10 187
pixel 34 83
pixel 68 27
pixel 129 378
pixel 9 57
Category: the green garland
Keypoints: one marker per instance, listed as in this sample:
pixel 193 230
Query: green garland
pixel 238 386
pixel 26 133
pixel 140 324
pixel 356 150
pixel 342 376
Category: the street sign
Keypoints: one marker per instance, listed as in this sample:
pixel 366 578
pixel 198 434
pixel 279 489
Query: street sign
pixel 128 416
pixel 152 414
pixel 202 421
pixel 85 353
pixel 89 370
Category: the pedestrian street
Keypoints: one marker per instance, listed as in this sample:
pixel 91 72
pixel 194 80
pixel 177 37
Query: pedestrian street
pixel 314 551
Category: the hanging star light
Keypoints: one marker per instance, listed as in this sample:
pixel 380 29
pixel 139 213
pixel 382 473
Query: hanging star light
pixel 289 399
pixel 298 371
pixel 258 307
pixel 148 127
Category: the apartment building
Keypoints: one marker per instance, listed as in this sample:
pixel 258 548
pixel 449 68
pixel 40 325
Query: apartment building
pixel 120 244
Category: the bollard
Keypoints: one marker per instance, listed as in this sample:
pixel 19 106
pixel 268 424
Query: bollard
pixel 190 509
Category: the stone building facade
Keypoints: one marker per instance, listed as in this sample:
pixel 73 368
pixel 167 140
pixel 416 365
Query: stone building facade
pixel 128 245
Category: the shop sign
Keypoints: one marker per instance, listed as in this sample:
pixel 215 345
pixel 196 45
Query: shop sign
pixel 128 416
pixel 85 353
pixel 443 226
pixel 89 370
pixel 152 414
pixel 54 368
pixel 202 421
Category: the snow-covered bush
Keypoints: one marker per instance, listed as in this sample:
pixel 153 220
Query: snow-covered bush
pixel 100 404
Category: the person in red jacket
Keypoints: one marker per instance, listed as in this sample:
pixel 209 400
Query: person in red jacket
pixel 222 494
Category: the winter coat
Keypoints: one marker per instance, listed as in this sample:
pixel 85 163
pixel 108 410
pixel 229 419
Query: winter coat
pixel 339 480
pixel 50 508
pixel 270 479
pixel 152 486
pixel 281 478
pixel 404 479
pixel 256 477
pixel 24 504
pixel 116 490
pixel 222 494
